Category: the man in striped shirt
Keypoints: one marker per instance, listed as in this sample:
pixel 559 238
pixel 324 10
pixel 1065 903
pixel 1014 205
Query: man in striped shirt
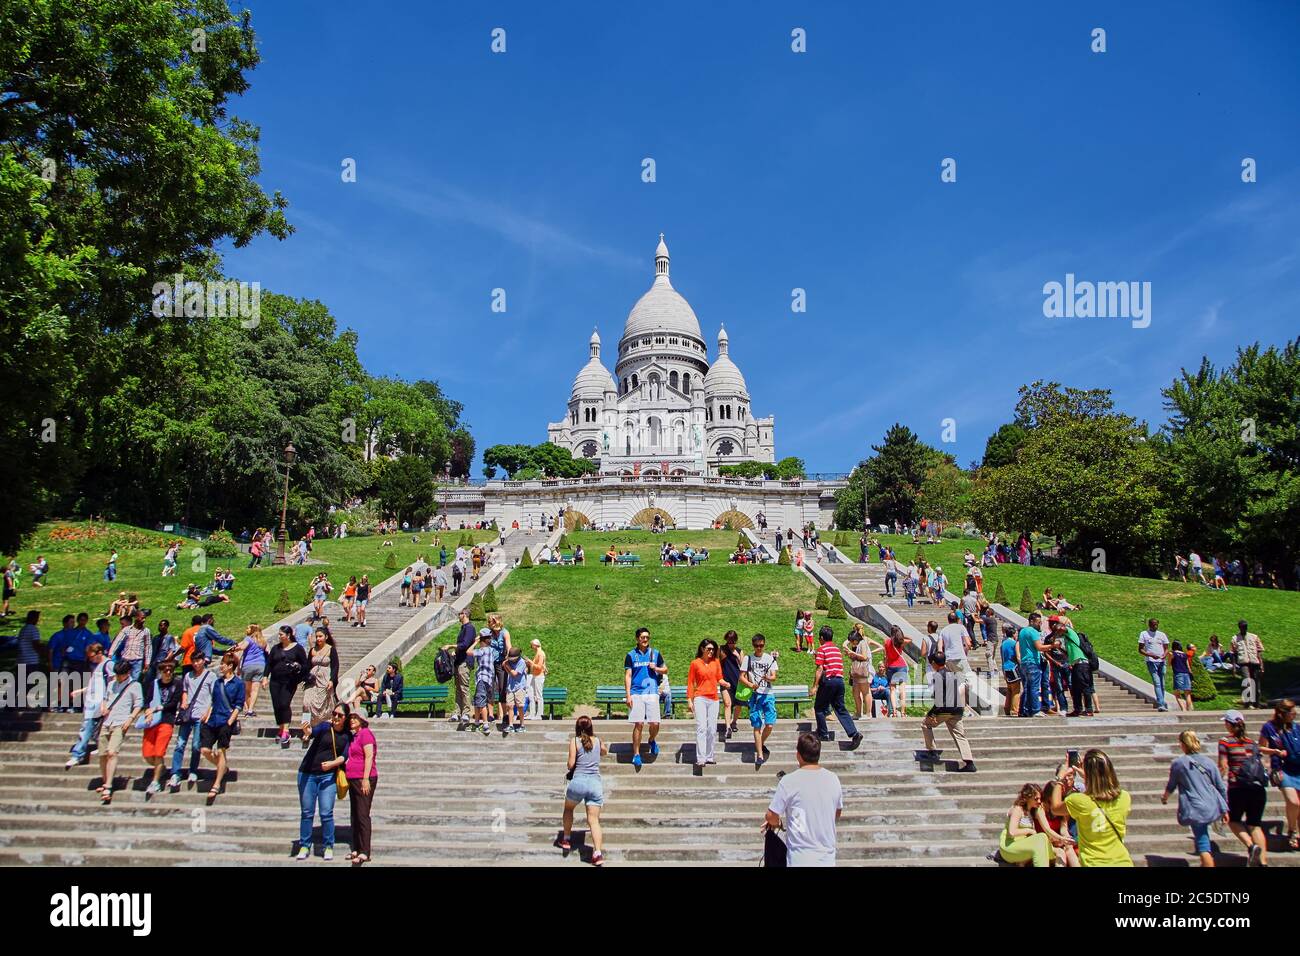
pixel 828 688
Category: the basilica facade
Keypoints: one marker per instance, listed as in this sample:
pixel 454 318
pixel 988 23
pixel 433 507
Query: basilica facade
pixel 666 408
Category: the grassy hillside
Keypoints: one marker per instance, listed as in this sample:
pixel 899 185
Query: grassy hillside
pixel 1116 608
pixel 586 617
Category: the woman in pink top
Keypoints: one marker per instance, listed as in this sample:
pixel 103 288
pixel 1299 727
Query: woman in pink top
pixel 363 777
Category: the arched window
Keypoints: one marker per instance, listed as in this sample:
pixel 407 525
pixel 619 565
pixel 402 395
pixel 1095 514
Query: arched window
pixel 686 382
pixel 672 379
pixel 629 446
pixel 635 383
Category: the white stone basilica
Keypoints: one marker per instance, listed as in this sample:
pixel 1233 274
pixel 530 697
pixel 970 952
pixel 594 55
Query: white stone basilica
pixel 665 409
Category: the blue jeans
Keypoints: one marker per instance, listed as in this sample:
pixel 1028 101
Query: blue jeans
pixel 1030 677
pixel 313 789
pixel 1157 671
pixel 110 573
pixel 911 597
pixel 1201 834
pixel 830 696
pixel 186 732
pixel 1054 687
pixel 82 745
pixel 891 584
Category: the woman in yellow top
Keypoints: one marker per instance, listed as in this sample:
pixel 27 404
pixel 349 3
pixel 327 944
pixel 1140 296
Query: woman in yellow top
pixel 1101 811
pixel 702 683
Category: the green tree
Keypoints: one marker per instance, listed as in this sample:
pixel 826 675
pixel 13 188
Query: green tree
pixel 945 492
pixel 784 558
pixel 1086 475
pixel 823 600
pixel 1000 595
pixel 406 489
pixel 1003 445
pixel 109 97
pixel 490 600
pixel 476 612
pixel 526 559
pixel 892 478
pixel 837 611
pixel 1026 602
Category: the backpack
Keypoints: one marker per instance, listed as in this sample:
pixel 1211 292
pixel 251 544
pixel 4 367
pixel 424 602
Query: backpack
pixel 1089 652
pixel 1251 773
pixel 444 669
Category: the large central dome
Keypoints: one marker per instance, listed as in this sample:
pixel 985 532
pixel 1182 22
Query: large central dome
pixel 662 309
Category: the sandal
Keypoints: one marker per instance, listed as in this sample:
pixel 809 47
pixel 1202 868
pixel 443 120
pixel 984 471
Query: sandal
pixel 1293 841
pixel 598 859
pixel 106 797
pixel 565 844
pixel 359 859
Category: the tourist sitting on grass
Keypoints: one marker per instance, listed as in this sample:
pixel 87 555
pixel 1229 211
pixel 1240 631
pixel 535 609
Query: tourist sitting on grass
pixel 39 569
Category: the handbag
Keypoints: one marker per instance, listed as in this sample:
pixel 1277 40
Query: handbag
pixel 154 719
pixel 340 777
pixel 187 715
pixel 775 852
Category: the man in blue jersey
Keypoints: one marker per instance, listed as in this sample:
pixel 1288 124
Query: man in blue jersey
pixel 642 669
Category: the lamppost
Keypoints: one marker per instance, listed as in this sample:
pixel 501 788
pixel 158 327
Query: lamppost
pixel 289 453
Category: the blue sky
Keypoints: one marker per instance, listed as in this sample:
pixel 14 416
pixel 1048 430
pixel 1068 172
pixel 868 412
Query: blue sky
pixel 778 170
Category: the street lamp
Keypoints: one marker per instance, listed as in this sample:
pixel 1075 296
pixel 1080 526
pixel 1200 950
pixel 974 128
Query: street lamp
pixel 289 453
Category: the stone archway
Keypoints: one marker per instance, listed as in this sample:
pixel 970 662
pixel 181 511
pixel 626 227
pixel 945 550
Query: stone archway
pixel 576 520
pixel 645 518
pixel 734 520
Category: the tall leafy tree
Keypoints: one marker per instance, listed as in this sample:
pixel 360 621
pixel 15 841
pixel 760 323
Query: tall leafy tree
pixel 892 479
pixel 120 165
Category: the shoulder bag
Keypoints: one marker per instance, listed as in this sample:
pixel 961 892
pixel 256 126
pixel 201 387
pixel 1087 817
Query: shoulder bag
pixel 340 775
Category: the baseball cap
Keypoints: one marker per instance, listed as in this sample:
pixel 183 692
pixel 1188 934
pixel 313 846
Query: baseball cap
pixel 484 632
pixel 1233 717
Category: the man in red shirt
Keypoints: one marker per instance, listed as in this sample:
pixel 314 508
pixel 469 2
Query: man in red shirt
pixel 828 688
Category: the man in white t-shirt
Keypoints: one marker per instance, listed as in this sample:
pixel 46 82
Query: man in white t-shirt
pixel 810 800
pixel 1153 645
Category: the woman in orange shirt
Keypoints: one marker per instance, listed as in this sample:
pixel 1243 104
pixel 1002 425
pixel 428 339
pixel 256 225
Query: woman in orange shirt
pixel 702 683
pixel 349 598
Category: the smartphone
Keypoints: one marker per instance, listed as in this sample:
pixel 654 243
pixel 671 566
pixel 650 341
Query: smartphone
pixel 1072 758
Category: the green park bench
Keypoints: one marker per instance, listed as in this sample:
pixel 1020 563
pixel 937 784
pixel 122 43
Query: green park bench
pixel 796 695
pixel 553 697
pixel 622 559
pixel 612 695
pixel 427 697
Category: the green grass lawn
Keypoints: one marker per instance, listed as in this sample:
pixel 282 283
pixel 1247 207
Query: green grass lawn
pixel 1116 608
pixel 586 617
pixel 75 582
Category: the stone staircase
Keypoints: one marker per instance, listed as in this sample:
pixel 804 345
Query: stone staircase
pixel 448 797
pixel 867 582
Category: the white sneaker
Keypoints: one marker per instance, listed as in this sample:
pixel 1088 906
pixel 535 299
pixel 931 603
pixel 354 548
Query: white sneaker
pixel 192 778
pixel 72 762
pixel 154 787
pixel 304 853
pixel 329 853
pixel 174 783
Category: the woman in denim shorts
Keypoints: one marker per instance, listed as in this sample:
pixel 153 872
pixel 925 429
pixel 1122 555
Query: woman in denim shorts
pixel 585 751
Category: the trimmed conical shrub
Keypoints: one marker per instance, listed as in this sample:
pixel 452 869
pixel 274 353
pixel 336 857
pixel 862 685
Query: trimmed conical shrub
pixel 1026 602
pixel 564 541
pixel 784 557
pixel 1202 683
pixel 390 562
pixel 282 606
pixel 476 612
pixel 526 559
pixel 823 600
pixel 1000 595
pixel 742 541
pixel 490 599
pixel 837 612
pixel 920 554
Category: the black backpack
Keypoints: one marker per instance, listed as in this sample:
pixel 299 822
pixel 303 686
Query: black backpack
pixel 443 667
pixel 1251 772
pixel 1089 652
